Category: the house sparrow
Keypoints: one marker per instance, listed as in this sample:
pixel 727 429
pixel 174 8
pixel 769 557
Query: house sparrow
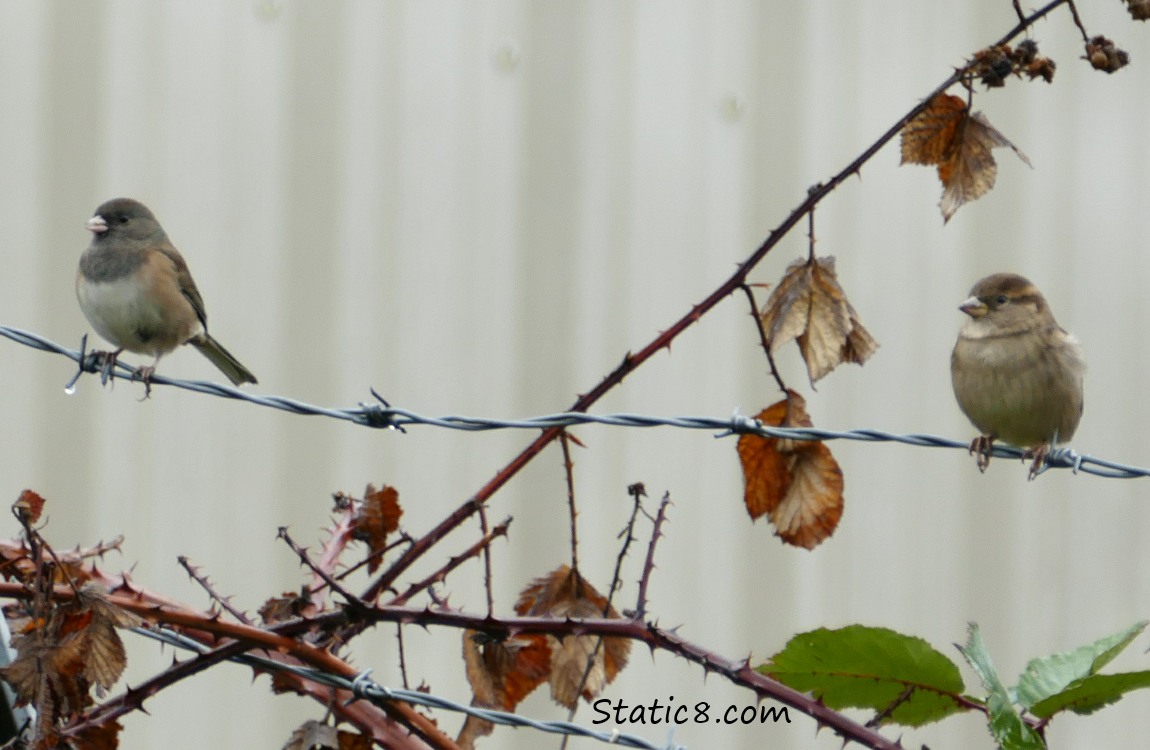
pixel 135 289
pixel 1016 373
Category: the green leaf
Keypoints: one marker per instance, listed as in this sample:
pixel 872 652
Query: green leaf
pixel 901 677
pixel 1092 693
pixel 1007 727
pixel 1049 676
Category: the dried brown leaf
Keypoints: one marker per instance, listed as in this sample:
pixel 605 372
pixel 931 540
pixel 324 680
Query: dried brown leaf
pixel 105 658
pixel 796 483
pixel 378 516
pixel 87 649
pixel 770 467
pixel 931 137
pixel 785 315
pixel 570 658
pixel 104 736
pixel 26 674
pixel 809 306
pixel 47 674
pixel 29 506
pixel 813 505
pixel 354 741
pixel 564 593
pixel 971 171
pixel 93 597
pixel 960 144
pixel 284 684
pixel 75 649
pixel 504 672
pixel 286 607
pixel 860 345
pixel 501 673
pixel 473 729
pixel 72 571
pixel 766 470
pixel 76 566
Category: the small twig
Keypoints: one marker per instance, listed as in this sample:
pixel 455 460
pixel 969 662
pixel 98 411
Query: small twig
pixel 206 585
pixel 811 235
pixel 763 340
pixel 133 698
pixel 369 718
pixel 276 645
pixel 34 554
pixel 738 672
pixel 277 639
pixel 637 491
pixel 572 512
pixel 351 599
pixel 402 654
pixel 99 549
pixel 487 579
pixel 342 534
pixel 404 538
pixel 441 574
pixel 649 562
pixel 1078 20
pixel 39 545
pixel 632 360
pixel 1018 10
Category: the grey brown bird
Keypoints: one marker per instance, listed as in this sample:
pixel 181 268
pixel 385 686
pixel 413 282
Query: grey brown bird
pixel 135 289
pixel 1016 373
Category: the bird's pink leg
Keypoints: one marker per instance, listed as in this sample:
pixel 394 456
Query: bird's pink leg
pixel 144 375
pixel 1038 453
pixel 981 447
pixel 107 362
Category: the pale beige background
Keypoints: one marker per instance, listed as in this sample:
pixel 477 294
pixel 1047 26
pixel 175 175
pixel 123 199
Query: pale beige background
pixel 478 207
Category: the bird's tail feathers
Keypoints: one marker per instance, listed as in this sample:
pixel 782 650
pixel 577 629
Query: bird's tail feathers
pixel 223 359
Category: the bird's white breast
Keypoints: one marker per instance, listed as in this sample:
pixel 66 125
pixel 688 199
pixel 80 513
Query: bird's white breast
pixel 123 314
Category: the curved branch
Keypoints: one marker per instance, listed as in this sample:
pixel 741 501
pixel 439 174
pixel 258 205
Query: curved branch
pixel 663 341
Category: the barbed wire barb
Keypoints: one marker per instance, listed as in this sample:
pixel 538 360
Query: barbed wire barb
pixel 382 415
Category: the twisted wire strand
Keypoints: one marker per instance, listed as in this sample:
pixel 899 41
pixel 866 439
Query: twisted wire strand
pixel 363 687
pixel 381 415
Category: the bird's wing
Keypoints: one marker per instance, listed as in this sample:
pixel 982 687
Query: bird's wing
pixel 187 284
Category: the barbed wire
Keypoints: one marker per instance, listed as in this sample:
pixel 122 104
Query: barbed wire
pixel 382 415
pixel 363 687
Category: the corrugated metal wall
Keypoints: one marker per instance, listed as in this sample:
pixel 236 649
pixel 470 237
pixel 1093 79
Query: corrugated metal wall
pixel 478 207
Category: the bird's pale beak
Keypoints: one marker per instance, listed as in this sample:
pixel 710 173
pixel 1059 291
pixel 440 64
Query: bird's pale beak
pixel 96 225
pixel 974 307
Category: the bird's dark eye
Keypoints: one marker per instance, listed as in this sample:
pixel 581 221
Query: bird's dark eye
pixel 1001 299
pixel 122 219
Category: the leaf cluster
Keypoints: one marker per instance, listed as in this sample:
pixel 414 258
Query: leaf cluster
pixel 903 680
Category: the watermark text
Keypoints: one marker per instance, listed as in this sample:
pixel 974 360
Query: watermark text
pixel 657 712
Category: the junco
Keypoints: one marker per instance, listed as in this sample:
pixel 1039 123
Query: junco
pixel 135 289
pixel 1017 374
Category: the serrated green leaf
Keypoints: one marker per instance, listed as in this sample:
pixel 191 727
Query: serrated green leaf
pixel 1007 727
pixel 1049 676
pixel 1091 694
pixel 901 677
pixel 1116 644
